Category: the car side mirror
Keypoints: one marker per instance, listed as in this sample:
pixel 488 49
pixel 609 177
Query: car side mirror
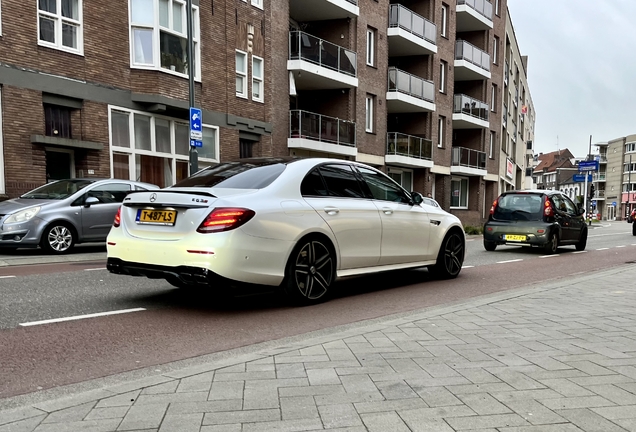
pixel 581 210
pixel 90 201
pixel 416 198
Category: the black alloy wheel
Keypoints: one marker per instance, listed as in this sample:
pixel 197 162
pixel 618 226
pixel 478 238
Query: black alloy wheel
pixel 310 272
pixel 451 256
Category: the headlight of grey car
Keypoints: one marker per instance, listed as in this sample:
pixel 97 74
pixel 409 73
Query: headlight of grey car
pixel 23 215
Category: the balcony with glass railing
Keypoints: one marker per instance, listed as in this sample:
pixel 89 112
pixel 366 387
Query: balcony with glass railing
pixel 467 161
pixel 409 93
pixel 408 151
pixel 318 64
pixel 469 113
pixel 602 158
pixel 410 34
pixel 471 63
pixel 321 133
pixel 321 10
pixel 473 15
pixel 598 177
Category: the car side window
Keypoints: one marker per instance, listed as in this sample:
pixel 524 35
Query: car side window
pixel 313 185
pixel 109 193
pixel 569 205
pixel 559 203
pixel 341 181
pixel 382 187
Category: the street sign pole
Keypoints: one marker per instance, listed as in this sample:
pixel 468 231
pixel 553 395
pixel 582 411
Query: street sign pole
pixel 585 199
pixel 194 156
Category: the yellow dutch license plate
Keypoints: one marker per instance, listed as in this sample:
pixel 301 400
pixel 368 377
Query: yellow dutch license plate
pixel 156 217
pixel 519 238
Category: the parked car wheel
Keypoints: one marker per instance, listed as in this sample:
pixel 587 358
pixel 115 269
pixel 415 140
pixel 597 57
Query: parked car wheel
pixel 582 240
pixel 58 238
pixel 310 272
pixel 634 228
pixel 490 245
pixel 552 245
pixel 451 256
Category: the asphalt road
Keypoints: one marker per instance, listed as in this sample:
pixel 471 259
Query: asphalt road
pixel 168 324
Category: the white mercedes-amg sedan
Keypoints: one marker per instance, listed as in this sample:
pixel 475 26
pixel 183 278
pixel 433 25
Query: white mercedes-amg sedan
pixel 295 223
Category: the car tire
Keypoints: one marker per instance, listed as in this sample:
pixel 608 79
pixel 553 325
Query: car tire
pixel 582 240
pixel 58 238
pixel 550 248
pixel 634 228
pixel 310 272
pixel 490 245
pixel 450 257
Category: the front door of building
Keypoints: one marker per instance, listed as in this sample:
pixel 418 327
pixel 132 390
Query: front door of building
pixel 59 165
pixel 611 213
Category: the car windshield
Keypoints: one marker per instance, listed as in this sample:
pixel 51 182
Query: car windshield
pixel 249 174
pixel 519 207
pixel 57 190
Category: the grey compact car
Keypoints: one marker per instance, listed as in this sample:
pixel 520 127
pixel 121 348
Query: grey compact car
pixel 60 214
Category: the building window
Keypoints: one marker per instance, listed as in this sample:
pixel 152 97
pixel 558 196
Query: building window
pixel 257 79
pixel 371 46
pixel 160 40
pixel 241 74
pixel 440 131
pixel 245 148
pixel 630 147
pixel 459 193
pixel 491 146
pixel 402 177
pixel 497 7
pixel 493 98
pixel 57 121
pixel 60 24
pixel 155 149
pixel 370 108
pixel 495 50
pixel 444 24
pixel 258 3
pixel 443 66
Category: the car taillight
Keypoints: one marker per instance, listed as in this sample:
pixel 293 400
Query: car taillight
pixel 548 210
pixel 225 219
pixel 494 206
pixel 117 220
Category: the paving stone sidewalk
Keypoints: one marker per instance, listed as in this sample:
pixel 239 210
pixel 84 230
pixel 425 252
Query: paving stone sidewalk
pixel 552 357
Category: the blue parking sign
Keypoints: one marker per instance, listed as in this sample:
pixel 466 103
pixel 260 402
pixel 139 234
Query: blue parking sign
pixel 196 125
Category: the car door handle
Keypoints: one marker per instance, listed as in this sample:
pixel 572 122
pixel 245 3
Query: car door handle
pixel 331 210
pixel 387 210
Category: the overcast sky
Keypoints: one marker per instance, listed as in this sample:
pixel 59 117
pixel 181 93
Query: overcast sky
pixel 581 69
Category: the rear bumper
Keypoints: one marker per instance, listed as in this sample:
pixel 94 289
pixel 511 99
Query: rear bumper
pixel 192 276
pixel 495 233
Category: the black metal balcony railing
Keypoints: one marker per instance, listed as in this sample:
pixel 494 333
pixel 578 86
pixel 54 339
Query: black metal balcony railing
pixel 303 46
pixel 484 7
pixel 304 124
pixel 466 105
pixel 406 19
pixel 468 158
pixel 408 145
pixel 411 85
pixel 469 52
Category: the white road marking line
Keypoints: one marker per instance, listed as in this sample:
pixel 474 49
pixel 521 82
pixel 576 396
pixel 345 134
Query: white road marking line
pixel 467 267
pixel 78 317
pixel 93 269
pixel 621 246
pixel 602 249
pixel 6 277
pixel 509 261
pixel 577 252
pixel 633 244
pixel 549 256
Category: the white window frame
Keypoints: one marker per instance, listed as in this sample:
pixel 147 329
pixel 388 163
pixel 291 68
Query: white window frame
pixel 440 132
pixel 132 152
pixel 258 79
pixel 243 74
pixel 370 46
pixel 491 151
pixel 444 23
pixel 461 179
pixel 2 186
pixel 442 77
pixel 497 8
pixel 493 97
pixel 257 3
pixel 156 41
pixel 368 125
pixel 59 20
pixel 495 50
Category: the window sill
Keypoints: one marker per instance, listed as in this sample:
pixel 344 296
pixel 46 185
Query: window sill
pixel 242 96
pixel 163 70
pixel 459 208
pixel 60 48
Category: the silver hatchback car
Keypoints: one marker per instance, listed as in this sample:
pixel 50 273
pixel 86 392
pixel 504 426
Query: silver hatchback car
pixel 60 214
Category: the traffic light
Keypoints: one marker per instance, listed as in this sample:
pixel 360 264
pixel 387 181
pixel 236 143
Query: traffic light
pixel 591 191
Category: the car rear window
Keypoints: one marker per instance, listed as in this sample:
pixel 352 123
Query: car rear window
pixel 236 175
pixel 519 207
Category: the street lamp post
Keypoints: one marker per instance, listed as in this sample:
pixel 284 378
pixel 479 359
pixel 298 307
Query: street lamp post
pixel 194 156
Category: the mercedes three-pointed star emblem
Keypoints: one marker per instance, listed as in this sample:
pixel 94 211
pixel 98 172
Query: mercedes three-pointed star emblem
pixel 153 197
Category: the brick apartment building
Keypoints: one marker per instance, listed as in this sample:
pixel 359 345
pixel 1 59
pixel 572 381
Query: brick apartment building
pixel 415 88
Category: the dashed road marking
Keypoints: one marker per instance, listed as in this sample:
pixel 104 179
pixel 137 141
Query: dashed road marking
pixel 465 267
pixel 621 246
pixel 7 277
pixel 602 249
pixel 579 252
pixel 93 269
pixel 509 261
pixel 549 256
pixel 79 317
